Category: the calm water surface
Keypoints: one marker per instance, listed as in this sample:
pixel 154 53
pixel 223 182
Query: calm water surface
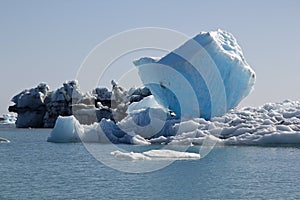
pixel 32 168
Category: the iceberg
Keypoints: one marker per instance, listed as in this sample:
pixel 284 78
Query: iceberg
pixel 39 107
pixel 30 106
pixel 205 77
pixel 68 129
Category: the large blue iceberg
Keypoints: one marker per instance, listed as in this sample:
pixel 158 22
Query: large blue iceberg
pixel 205 77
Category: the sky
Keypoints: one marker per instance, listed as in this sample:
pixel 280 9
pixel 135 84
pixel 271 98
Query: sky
pixel 47 41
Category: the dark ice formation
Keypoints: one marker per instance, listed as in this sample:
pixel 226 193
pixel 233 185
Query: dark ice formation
pixel 31 106
pixel 39 107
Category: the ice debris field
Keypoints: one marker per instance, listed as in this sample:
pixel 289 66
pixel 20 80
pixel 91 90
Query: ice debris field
pixel 190 96
pixel 272 123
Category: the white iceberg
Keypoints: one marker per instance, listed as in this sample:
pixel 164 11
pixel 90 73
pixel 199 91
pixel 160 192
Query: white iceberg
pixel 68 129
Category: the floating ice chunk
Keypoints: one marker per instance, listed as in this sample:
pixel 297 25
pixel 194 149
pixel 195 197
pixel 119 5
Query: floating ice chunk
pixel 161 154
pixel 3 140
pixel 129 156
pixel 66 129
pixel 166 154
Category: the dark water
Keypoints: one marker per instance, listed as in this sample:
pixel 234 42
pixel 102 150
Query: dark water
pixel 32 168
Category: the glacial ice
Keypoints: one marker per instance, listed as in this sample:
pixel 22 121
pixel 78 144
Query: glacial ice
pixel 156 154
pixel 194 91
pixel 68 129
pixel 30 106
pixel 270 124
pixel 205 77
pixel 39 107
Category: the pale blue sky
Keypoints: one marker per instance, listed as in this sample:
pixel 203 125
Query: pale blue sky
pixel 48 40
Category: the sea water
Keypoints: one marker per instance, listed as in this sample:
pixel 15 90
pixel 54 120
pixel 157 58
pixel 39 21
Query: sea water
pixel 32 168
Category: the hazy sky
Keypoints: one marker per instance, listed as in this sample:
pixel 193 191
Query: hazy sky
pixel 48 40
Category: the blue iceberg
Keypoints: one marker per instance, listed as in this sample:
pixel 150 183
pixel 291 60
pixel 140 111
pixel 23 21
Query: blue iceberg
pixel 205 77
